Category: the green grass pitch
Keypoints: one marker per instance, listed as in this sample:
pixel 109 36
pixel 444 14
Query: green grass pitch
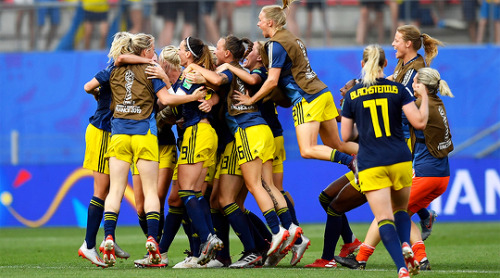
pixel 454 250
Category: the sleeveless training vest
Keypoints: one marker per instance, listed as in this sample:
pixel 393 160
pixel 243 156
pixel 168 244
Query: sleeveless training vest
pixel 133 93
pixel 238 85
pixel 437 132
pixel 402 73
pixel 301 70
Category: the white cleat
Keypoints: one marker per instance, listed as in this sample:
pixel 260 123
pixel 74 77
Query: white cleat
pixel 120 253
pixel 189 262
pixel 91 255
pixel 146 262
pixel 294 233
pixel 277 240
pixel 298 250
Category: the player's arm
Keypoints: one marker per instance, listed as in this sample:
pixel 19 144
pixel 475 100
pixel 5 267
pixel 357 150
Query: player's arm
pixel 267 87
pixel 418 116
pixel 124 59
pixel 211 77
pixel 248 78
pixel 164 98
pixel 347 128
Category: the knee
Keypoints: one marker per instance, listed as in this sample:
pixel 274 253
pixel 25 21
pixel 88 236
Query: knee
pixel 306 153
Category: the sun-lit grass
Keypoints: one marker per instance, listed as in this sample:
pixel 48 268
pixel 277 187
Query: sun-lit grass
pixel 454 250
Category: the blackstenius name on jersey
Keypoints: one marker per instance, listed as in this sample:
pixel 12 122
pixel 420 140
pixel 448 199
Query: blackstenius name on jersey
pixel 374 89
pixel 134 109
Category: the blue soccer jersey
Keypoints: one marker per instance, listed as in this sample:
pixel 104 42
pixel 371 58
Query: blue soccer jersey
pixel 102 116
pixel 278 58
pixel 192 115
pixel 377 111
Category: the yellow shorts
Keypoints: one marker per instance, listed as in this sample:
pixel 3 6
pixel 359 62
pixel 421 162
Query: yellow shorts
pixel 228 163
pixel 96 146
pixel 397 176
pixel 254 141
pixel 209 178
pixel 319 110
pixel 350 176
pixel 199 145
pixel 168 156
pixel 279 154
pixel 130 148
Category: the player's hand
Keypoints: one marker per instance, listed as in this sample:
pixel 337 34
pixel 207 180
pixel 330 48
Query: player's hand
pixel 195 77
pixel 244 99
pixel 200 93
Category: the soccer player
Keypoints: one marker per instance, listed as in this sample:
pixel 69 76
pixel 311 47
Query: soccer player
pixel 97 139
pixel 313 107
pixel 134 140
pixel 384 161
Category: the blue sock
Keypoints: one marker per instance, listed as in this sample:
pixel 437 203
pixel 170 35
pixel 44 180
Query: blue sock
pixel 94 218
pixel 391 242
pixel 324 200
pixel 285 217
pixel 195 248
pixel 171 226
pixel 272 220
pixel 160 225
pixel 403 225
pixel 291 208
pixel 221 227
pixel 423 213
pixel 333 228
pixel 340 157
pixel 261 235
pixel 206 212
pixel 110 219
pixel 153 219
pixel 346 233
pixel 239 223
pixel 143 223
pixel 187 227
pixel 196 213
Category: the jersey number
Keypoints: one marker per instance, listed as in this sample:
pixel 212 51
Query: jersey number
pixel 372 105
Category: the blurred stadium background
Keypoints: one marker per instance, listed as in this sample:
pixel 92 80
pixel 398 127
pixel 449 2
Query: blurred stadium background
pixel 45 114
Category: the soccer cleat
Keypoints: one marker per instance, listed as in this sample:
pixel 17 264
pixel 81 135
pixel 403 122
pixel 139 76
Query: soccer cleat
pixel 108 253
pixel 427 223
pixel 119 252
pixel 189 262
pixel 298 250
pixel 294 233
pixel 424 264
pixel 209 248
pixel 277 240
pixel 248 260
pixel 216 263
pixel 154 251
pixel 410 261
pixel 322 263
pixel 350 262
pixel 350 248
pixel 274 259
pixel 91 255
pixel 145 262
pixel 353 166
pixel 403 273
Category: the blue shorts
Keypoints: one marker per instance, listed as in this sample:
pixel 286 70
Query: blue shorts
pixel 53 13
pixel 484 12
pixel 95 17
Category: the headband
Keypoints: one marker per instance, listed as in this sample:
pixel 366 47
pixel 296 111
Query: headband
pixel 189 47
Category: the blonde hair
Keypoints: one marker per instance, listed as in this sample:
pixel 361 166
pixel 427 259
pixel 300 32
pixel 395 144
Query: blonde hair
pixel 374 62
pixel 412 33
pixel 277 13
pixel 140 42
pixel 433 82
pixel 170 55
pixel 120 45
pixel 263 53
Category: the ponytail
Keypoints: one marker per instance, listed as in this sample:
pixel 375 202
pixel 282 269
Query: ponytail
pixel 431 79
pixel 374 62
